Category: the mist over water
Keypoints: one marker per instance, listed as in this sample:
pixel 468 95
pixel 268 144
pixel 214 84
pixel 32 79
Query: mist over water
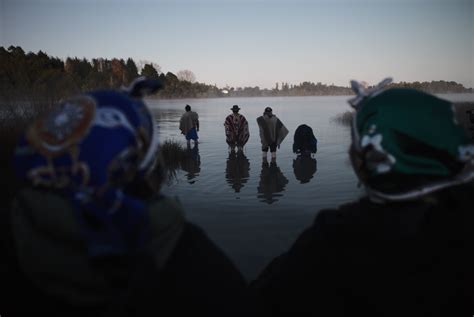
pixel 253 210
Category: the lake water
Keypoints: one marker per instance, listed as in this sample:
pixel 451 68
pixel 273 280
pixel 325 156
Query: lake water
pixel 254 211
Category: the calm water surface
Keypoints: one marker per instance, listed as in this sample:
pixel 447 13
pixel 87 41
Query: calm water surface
pixel 254 211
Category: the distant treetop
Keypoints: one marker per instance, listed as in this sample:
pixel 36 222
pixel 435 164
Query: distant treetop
pixel 39 78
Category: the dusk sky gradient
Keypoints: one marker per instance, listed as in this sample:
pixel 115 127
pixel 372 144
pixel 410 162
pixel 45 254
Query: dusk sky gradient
pixel 257 43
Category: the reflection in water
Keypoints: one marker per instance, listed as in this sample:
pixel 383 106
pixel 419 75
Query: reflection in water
pixel 237 170
pixel 191 163
pixel 272 182
pixel 304 167
pixel 168 115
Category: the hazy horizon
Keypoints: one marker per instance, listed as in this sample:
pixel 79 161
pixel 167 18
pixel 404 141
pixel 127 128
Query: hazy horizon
pixel 258 43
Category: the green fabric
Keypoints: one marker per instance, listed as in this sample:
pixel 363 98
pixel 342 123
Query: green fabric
pixel 52 254
pixel 411 133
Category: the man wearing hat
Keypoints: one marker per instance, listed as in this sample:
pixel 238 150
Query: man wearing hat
pixel 405 248
pixel 272 132
pixel 236 130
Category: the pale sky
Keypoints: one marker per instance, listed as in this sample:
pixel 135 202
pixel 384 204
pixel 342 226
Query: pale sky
pixel 257 43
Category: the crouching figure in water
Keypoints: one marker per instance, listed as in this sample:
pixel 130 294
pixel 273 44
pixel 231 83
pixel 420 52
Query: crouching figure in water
pixel 304 142
pixel 89 234
pixel 405 249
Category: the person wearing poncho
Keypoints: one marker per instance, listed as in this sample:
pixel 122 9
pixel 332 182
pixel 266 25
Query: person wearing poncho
pixel 236 130
pixel 405 248
pixel 89 234
pixel 272 132
pixel 189 125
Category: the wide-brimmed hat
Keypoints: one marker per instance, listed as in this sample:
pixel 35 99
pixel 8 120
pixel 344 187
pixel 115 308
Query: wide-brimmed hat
pixel 268 109
pixel 235 108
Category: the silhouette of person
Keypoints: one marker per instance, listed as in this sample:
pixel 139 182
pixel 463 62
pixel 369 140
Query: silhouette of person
pixel 236 129
pixel 272 132
pixel 237 170
pixel 404 249
pixel 304 167
pixel 470 122
pixel 191 163
pixel 304 141
pixel 89 233
pixel 189 125
pixel 272 182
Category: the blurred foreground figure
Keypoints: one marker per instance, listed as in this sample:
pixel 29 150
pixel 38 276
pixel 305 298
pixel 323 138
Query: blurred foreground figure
pixel 405 249
pixel 90 235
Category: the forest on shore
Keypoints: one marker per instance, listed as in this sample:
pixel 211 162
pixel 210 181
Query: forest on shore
pixel 37 78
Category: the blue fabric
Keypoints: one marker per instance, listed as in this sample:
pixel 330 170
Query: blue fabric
pixel 89 150
pixel 192 135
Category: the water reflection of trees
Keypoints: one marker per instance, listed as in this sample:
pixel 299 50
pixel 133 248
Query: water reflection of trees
pixel 237 170
pixel 272 182
pixel 304 167
pixel 168 115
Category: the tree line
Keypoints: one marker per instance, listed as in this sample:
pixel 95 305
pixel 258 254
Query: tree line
pixel 39 78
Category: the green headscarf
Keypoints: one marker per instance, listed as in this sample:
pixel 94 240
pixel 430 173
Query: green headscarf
pixel 408 143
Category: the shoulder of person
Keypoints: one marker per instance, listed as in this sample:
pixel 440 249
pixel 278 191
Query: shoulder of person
pixel 376 222
pixel 164 210
pixel 354 220
pixel 44 208
pixel 342 212
pixel 167 222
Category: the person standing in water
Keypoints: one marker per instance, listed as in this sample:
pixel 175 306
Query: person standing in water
pixel 404 248
pixel 272 132
pixel 189 125
pixel 236 130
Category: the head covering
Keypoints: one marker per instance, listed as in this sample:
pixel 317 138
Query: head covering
pixel 235 108
pixel 268 109
pixel 89 149
pixel 187 108
pixel 304 141
pixel 407 143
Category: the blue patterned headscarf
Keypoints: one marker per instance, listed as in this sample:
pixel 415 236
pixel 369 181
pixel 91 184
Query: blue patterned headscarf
pixel 89 149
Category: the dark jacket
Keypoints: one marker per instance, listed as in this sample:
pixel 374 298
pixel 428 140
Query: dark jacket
pixel 368 259
pixel 45 271
pixel 304 140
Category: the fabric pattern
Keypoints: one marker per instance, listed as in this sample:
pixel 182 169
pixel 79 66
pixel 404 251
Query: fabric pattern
pixel 410 137
pixel 89 149
pixel 236 130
